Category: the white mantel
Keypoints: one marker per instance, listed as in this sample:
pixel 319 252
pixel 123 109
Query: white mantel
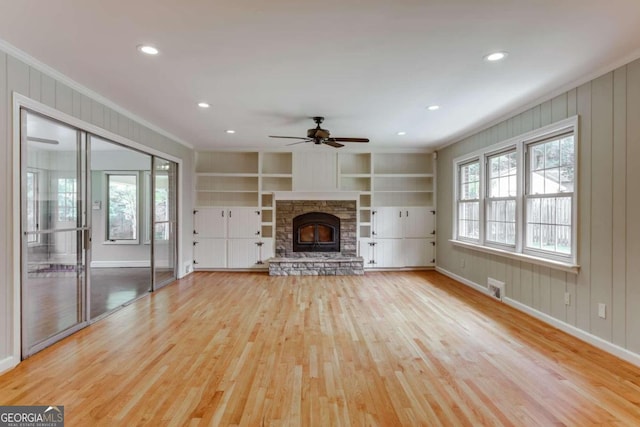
pixel 316 195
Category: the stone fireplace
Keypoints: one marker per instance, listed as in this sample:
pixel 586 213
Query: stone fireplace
pixel 315 236
pixel 345 226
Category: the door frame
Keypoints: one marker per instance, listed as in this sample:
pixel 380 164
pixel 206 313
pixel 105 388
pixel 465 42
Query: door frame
pixel 20 101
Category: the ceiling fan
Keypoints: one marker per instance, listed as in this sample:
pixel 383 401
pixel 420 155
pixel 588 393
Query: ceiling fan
pixel 321 136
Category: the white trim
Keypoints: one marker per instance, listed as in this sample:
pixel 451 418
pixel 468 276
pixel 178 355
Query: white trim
pixel 8 363
pixel 120 264
pixel 574 84
pixel 464 281
pixel 40 66
pixel 595 341
pixel 317 195
pixel 16 144
pixel 520 143
pixel 568 267
pixel 20 100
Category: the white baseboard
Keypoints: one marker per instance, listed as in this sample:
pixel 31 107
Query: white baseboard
pixel 464 281
pixel 595 341
pixel 115 264
pixel 8 363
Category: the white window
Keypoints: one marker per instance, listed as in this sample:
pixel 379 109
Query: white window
pixel 67 196
pixel 469 200
pixel 502 191
pixel 519 196
pixel 33 213
pixel 549 195
pixel 122 206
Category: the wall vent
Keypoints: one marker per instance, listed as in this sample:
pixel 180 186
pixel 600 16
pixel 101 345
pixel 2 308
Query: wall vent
pixel 496 288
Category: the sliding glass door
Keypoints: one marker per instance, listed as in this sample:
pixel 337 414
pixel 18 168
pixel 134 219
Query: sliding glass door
pixel 98 227
pixel 55 231
pixel 164 221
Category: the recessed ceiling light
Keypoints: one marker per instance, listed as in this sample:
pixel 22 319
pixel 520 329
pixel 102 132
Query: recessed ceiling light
pixel 433 107
pixel 401 133
pixel 149 50
pixel 230 131
pixel 203 105
pixel 496 56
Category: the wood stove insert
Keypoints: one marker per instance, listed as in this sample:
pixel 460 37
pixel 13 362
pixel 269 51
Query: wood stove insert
pixel 316 232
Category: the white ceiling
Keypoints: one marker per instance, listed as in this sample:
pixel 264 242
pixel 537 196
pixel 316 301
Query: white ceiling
pixel 370 67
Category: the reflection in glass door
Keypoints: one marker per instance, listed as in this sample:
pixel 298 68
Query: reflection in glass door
pixel 54 231
pixel 164 222
pixel 121 223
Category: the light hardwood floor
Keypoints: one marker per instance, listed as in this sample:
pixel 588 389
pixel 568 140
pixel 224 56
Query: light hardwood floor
pixel 386 349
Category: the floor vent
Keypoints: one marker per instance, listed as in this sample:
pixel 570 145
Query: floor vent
pixel 496 288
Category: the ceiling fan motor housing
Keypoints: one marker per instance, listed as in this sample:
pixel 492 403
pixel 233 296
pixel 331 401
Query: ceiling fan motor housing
pixel 318 133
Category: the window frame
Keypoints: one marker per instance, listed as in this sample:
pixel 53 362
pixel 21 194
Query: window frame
pixel 107 239
pixel 521 144
pixel 459 200
pixel 572 195
pixel 487 198
pixel 33 239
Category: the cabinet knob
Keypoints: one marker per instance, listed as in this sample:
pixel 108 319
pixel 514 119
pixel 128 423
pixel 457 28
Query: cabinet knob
pixel 195 243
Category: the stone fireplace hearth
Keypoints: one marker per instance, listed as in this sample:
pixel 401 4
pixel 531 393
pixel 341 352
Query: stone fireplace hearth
pixel 298 261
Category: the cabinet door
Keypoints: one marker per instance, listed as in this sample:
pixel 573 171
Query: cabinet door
pixel 243 253
pixel 244 223
pixel 210 222
pixel 418 252
pixel 210 253
pixel 268 250
pixel 389 253
pixel 418 222
pixel 387 222
pixel 366 249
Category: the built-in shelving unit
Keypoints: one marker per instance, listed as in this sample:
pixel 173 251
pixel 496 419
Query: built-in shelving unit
pixel 403 179
pixel 389 184
pixel 275 175
pixel 226 179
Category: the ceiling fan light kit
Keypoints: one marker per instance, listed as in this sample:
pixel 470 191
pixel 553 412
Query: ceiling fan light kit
pixel 321 136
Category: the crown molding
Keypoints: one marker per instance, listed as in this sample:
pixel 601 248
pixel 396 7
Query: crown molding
pixel 44 68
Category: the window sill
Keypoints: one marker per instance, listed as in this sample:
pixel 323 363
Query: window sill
pixel 120 242
pixel 558 265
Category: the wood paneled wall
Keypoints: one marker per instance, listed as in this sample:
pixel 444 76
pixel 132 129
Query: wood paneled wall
pixel 609 212
pixel 17 76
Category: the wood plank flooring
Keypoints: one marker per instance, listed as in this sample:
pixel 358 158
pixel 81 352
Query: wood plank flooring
pixel 386 349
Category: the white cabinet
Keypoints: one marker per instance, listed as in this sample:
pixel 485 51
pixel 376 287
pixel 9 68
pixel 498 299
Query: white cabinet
pixel 403 222
pixel 210 223
pixel 402 237
pixel 248 253
pixel 210 253
pixel 418 252
pixel 228 237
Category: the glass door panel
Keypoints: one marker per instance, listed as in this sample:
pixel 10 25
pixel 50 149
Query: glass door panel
pixel 164 221
pixel 53 229
pixel 121 218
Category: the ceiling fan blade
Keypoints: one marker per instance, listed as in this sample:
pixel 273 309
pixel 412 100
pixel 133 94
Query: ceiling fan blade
pixel 332 143
pixel 43 140
pixel 351 139
pixel 299 142
pixel 288 137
